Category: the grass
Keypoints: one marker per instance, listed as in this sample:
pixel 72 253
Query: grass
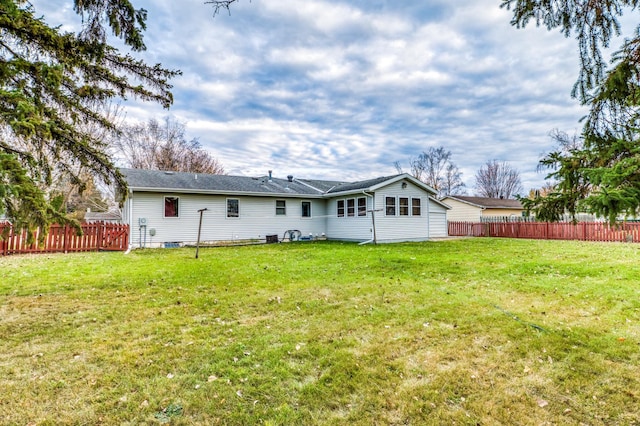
pixel 477 331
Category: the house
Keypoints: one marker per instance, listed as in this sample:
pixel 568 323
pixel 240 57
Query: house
pixel 109 217
pixel 163 208
pixel 475 209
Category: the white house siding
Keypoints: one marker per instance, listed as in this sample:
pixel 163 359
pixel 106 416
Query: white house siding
pixel 402 228
pixel 462 212
pixel 257 218
pixel 437 221
pixel 354 228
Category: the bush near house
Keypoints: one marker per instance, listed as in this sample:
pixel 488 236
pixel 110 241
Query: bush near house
pixel 474 331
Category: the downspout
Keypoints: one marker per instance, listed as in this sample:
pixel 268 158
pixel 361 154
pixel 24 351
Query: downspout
pixel 373 219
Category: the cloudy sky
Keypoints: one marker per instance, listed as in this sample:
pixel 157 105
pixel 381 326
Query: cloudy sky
pixel 342 89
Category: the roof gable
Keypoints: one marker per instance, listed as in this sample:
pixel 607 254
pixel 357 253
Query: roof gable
pixel 377 183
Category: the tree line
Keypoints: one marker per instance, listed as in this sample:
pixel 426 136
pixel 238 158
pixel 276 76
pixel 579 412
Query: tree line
pixel 435 168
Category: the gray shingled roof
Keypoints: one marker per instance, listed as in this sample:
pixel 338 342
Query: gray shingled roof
pixel 157 180
pixel 322 185
pixel 139 179
pixel 495 203
pixel 99 216
pixel 361 185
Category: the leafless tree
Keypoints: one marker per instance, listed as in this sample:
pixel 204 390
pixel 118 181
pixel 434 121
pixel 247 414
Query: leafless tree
pixel 498 180
pixel 435 168
pixel 452 182
pixel 162 145
pixel 217 5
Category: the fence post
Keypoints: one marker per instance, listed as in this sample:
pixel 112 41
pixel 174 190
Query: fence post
pixel 3 241
pixel 100 238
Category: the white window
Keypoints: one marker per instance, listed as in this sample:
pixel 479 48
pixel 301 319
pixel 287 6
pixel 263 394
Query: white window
pixel 362 206
pixel 404 206
pixel 306 209
pixel 233 207
pixel 351 207
pixel 281 207
pixel 340 208
pixel 170 206
pixel 416 207
pixel 390 206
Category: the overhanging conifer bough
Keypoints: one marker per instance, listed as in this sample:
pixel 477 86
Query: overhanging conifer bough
pixel 51 86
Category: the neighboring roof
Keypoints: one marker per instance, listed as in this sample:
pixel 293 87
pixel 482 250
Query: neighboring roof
pixel 487 203
pixel 161 181
pixel 100 216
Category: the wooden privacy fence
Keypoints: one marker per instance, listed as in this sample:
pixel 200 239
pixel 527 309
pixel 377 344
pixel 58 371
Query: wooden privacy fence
pixel 65 239
pixel 584 231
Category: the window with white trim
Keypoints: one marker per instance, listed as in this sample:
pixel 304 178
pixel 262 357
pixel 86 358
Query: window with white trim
pixel 404 206
pixel 171 206
pixel 281 207
pixel 351 207
pixel 416 207
pixel 233 207
pixel 340 208
pixel 306 209
pixel 390 206
pixel 362 206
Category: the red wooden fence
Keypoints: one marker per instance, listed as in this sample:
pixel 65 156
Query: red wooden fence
pixel 584 231
pixel 65 239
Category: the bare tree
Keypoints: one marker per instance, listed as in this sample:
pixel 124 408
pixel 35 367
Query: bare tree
pixel 435 168
pixel 162 145
pixel 498 180
pixel 452 182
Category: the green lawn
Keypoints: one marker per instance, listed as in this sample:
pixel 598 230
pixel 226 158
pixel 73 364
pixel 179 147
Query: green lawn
pixel 476 331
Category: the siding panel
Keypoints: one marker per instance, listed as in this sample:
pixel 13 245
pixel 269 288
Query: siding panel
pixel 402 228
pixel 257 219
pixel 356 228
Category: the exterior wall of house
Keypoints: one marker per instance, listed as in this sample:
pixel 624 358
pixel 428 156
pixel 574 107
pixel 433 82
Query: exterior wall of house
pixel 391 228
pixel 491 212
pixel 462 212
pixel 257 218
pixel 348 228
pixel 438 221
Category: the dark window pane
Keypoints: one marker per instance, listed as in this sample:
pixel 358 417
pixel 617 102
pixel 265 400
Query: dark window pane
pixel 404 206
pixel 362 206
pixel 351 207
pixel 306 209
pixel 170 206
pixel 416 207
pixel 390 206
pixel 233 208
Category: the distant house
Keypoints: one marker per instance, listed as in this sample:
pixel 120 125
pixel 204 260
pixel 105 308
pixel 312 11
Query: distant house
pixel 110 217
pixel 474 209
pixel 163 208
